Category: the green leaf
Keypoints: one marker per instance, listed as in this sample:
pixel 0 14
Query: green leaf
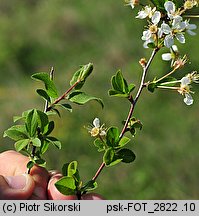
pixel 124 141
pixel 81 98
pixel 16 133
pixel 126 155
pixel 89 186
pixel 131 87
pixel 152 86
pixel 54 141
pixel 44 146
pixel 49 84
pixel 36 142
pixel 112 137
pixel 112 92
pixel 19 145
pixel 30 164
pixel 56 111
pixel 66 185
pixel 119 86
pixel 151 45
pixel 42 119
pixel 81 75
pixel 99 144
pixel 32 122
pixel 68 107
pixel 49 128
pixel 65 169
pixel 168 81
pixel 40 162
pixel 72 168
pixel 43 94
pixel 133 125
pixel 108 156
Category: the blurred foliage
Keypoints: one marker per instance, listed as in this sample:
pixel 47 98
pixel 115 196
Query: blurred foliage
pixel 38 34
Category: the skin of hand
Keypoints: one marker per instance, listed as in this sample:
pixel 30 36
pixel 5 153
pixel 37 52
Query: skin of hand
pixel 39 184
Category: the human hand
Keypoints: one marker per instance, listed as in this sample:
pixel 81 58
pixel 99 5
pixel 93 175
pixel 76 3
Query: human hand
pixel 15 184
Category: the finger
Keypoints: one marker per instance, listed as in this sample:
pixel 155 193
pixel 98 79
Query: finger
pixel 14 163
pixel 40 177
pixel 16 187
pixel 53 193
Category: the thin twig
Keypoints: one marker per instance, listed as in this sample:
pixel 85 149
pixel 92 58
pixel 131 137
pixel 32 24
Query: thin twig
pixel 63 96
pixel 133 103
pixel 142 85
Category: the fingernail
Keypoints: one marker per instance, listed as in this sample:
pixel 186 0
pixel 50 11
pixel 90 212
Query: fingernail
pixel 39 193
pixel 17 182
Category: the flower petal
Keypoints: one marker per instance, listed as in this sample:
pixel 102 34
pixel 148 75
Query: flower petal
pixel 156 17
pixel 146 35
pixel 170 7
pixel 166 56
pixel 180 37
pixel 188 99
pixel 185 81
pixel 168 41
pixel 96 122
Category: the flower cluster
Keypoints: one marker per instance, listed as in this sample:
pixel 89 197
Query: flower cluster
pixel 184 87
pixel 167 25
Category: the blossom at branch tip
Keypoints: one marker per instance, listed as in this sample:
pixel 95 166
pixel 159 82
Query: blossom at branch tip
pixel 151 13
pixel 184 88
pixel 97 130
pixel 132 3
pixel 190 78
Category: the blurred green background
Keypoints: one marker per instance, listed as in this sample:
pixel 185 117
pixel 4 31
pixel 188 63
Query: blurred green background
pixel 38 34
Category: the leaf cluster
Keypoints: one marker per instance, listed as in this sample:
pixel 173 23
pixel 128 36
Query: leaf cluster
pixel 33 136
pixel 113 147
pixel 120 88
pixel 71 184
pixel 73 94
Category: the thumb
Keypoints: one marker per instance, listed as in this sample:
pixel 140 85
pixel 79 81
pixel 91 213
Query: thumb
pixel 16 187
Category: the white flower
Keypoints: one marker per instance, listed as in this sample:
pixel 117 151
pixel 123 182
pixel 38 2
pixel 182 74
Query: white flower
pixel 97 130
pixel 190 78
pixel 150 34
pixel 148 12
pixel 172 55
pixel 172 32
pixel 184 90
pixel 132 3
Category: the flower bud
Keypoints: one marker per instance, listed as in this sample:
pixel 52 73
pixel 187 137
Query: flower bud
pixel 143 62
